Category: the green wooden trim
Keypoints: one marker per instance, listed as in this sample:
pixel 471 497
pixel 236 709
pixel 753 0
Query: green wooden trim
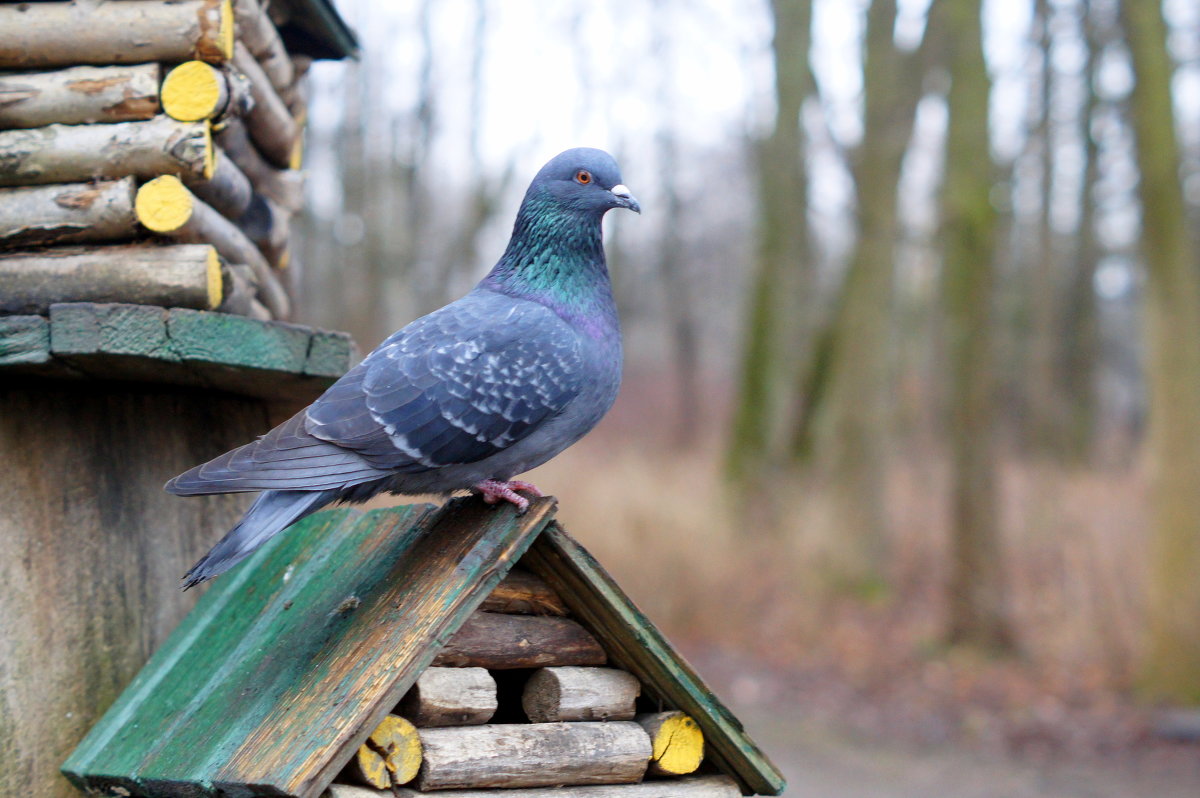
pixel 143 343
pixel 292 659
pixel 634 643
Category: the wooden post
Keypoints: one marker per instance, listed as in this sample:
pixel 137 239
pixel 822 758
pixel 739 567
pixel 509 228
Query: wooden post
pixel 677 741
pixel 496 641
pixel 558 694
pixel 451 697
pixel 57 214
pixel 79 95
pixel 534 755
pixel 36 35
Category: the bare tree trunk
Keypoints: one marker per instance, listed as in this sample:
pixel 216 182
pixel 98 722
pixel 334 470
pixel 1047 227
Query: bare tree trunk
pixel 1172 333
pixel 977 604
pixel 782 241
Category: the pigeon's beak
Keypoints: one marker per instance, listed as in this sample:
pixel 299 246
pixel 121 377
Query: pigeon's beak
pixel 625 199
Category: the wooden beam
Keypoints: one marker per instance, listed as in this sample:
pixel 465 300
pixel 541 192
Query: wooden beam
pixel 79 95
pixel 34 35
pixel 73 153
pixel 694 787
pixel 677 741
pixel 269 122
pixel 178 276
pixel 165 206
pixel 195 90
pixel 451 697
pixel 552 695
pixel 522 593
pixel 74 212
pixel 500 642
pixel 533 755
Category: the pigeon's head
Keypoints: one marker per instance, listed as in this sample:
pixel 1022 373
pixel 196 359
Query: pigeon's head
pixel 584 180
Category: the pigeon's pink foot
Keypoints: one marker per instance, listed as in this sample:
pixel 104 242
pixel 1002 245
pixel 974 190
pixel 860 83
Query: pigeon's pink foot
pixel 496 490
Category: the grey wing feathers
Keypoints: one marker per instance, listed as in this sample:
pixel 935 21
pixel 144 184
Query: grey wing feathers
pixel 456 386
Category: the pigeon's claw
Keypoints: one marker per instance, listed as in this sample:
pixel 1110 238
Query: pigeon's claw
pixel 497 490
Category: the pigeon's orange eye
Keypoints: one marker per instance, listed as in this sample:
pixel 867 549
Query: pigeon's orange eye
pixel 583 177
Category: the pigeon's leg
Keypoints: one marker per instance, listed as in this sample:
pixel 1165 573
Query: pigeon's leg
pixel 495 490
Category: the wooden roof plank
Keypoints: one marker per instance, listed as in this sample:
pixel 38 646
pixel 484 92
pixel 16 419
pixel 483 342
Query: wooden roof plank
pixel 634 643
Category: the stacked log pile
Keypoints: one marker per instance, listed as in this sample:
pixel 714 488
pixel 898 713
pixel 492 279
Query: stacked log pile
pixel 522 702
pixel 149 153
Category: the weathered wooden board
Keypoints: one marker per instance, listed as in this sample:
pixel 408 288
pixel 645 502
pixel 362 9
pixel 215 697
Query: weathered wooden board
pixel 694 787
pixel 293 658
pixel 146 343
pixel 633 643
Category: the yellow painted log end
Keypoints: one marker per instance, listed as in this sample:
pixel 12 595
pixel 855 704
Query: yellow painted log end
pixel 391 756
pixel 678 746
pixel 164 204
pixel 216 286
pixel 217 30
pixel 296 158
pixel 193 91
pixel 225 30
pixel 210 152
pixel 285 260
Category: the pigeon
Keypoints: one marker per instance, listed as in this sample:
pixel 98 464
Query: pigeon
pixel 465 398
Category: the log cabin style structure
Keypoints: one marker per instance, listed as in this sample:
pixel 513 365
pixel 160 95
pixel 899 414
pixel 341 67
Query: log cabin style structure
pixel 464 651
pixel 150 155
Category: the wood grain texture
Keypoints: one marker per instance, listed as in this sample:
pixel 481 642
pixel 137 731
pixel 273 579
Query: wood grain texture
pixel 568 694
pixel 390 757
pixel 532 755
pixel 91 551
pixel 24 340
pixel 635 644
pixel 694 787
pixel 450 697
pixel 70 213
pixel 79 96
pixel 294 657
pixel 522 593
pixel 501 642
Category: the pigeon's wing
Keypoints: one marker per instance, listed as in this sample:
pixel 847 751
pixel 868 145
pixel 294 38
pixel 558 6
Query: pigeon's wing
pixel 456 386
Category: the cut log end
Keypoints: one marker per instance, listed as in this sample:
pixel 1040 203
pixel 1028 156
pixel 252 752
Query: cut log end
pixel 391 756
pixel 164 204
pixel 677 742
pixel 217 27
pixel 215 284
pixel 193 91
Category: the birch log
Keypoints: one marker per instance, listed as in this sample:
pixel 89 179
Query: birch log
pixel 532 755
pixel 269 122
pixel 227 190
pixel 496 641
pixel 284 186
pixel 523 593
pixel 179 276
pixel 389 757
pixel 116 32
pixel 72 153
pixel 71 213
pixel 451 697
pixel 194 91
pixel 241 288
pixel 165 206
pixel 694 787
pixel 78 96
pixel 561 694
pixel 255 28
pixel 677 742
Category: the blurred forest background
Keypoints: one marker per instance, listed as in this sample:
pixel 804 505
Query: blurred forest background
pixel 912 403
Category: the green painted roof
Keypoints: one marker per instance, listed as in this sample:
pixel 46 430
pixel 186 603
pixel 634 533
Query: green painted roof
pixel 142 343
pixel 289 661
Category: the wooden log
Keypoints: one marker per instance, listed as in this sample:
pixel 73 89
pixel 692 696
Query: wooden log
pixel 78 96
pixel 269 122
pixel 255 28
pixel 266 224
pixel 677 741
pixel 533 755
pixel 194 91
pixel 552 695
pixel 284 186
pixel 165 206
pixel 390 757
pixel 73 153
pixel 496 641
pixel 522 593
pixel 693 787
pixel 241 290
pixel 228 190
pixel 116 32
pixel 451 697
pixel 75 212
pixel 178 276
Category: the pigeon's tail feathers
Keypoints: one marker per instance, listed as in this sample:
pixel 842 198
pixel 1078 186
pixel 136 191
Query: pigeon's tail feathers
pixel 272 512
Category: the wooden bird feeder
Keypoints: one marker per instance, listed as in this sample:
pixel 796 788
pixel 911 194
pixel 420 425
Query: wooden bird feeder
pixel 149 168
pixel 457 651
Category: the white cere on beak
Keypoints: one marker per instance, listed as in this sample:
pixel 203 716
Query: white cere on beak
pixel 622 191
